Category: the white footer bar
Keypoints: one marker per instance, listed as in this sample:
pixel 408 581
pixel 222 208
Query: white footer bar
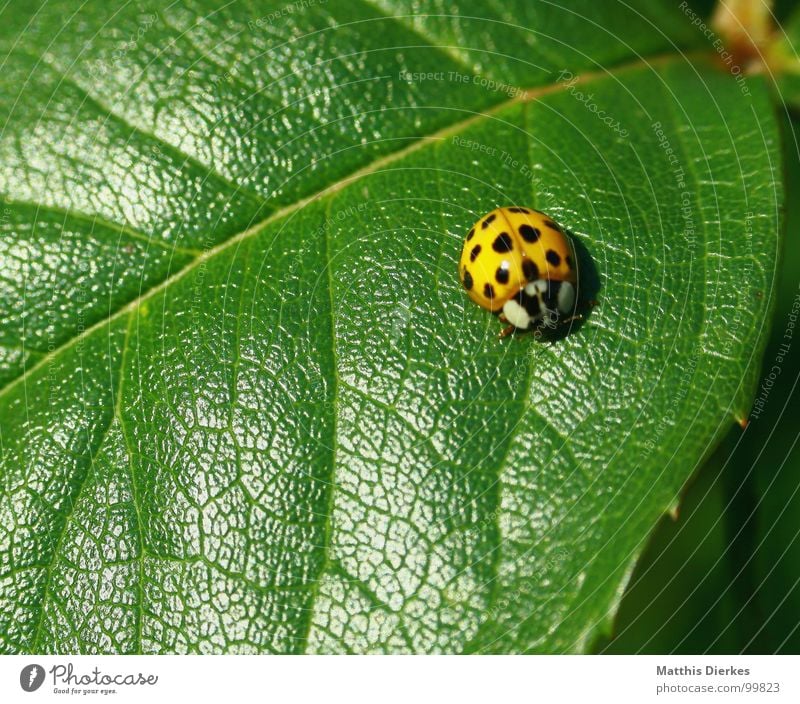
pixel 400 679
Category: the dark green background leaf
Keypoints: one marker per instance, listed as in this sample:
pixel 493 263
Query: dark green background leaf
pixel 247 405
pixel 785 60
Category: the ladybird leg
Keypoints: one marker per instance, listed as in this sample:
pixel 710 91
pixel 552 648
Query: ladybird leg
pixel 572 319
pixel 502 318
pixel 578 316
pixel 507 331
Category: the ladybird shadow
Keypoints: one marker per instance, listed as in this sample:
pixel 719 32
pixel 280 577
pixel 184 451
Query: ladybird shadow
pixel 588 291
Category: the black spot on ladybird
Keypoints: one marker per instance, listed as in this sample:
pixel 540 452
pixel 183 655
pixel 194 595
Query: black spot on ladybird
pixel 529 234
pixel 501 275
pixel 488 291
pixel 471 233
pixel 503 243
pixel 553 257
pixel 530 270
pixel 519 210
pixel 488 221
pixel 476 250
pixel 467 280
pixel 552 225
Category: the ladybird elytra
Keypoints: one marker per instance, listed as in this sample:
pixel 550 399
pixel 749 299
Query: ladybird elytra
pixel 519 262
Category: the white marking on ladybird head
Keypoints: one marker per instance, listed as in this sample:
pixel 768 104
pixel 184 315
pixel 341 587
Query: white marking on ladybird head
pixel 566 297
pixel 516 314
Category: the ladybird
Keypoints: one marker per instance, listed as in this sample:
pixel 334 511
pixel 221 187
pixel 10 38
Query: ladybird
pixel 519 263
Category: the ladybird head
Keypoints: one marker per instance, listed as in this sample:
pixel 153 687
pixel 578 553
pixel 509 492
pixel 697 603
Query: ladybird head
pixel 540 303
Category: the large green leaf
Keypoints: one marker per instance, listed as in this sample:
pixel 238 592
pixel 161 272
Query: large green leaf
pixel 248 407
pixel 724 577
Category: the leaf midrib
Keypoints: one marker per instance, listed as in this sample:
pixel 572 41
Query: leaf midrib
pixel 525 96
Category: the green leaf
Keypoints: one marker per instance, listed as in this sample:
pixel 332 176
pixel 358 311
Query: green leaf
pixel 248 406
pixel 682 596
pixel 723 578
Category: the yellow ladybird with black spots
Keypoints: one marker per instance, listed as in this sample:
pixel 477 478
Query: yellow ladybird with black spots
pixel 519 262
